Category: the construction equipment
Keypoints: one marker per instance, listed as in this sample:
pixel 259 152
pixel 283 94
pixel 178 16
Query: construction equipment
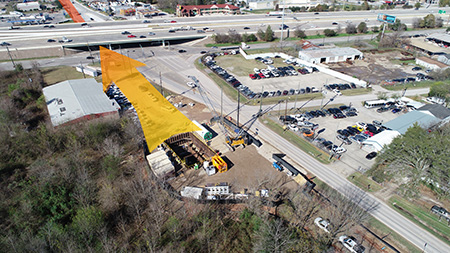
pixel 219 163
pixel 242 137
pixel 210 105
pixel 331 99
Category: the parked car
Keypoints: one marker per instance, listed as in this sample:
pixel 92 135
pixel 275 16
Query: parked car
pixel 344 139
pixel 322 224
pixel 326 144
pixel 371 155
pixel 351 244
pixel 339 150
pixel 396 110
pixel 439 210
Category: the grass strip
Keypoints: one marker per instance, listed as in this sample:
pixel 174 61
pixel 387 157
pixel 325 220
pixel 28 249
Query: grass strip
pixel 363 182
pixel 298 141
pixel 54 75
pixel 391 236
pixel 422 217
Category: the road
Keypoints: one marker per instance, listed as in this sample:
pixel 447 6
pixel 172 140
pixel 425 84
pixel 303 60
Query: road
pixel 36 36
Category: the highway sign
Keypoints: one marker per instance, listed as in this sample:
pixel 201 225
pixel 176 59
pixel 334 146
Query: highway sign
pixel 386 18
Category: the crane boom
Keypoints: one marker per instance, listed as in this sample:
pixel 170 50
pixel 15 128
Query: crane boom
pixel 208 103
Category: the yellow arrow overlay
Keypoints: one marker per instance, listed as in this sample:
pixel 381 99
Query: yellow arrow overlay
pixel 159 118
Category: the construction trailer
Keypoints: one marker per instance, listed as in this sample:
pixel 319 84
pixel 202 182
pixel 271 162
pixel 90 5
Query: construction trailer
pixel 298 176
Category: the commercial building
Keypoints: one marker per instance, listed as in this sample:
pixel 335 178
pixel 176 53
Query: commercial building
pixel 445 58
pixel 77 100
pixel 201 10
pixel 29 6
pixel 330 55
pixel 423 118
pixel 437 110
pixel 430 63
pixel 261 4
pixel 427 117
pixel 378 141
pixel 434 44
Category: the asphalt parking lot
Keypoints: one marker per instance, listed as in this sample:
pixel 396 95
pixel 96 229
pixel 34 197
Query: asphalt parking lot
pixel 354 159
pixel 240 68
pixel 315 79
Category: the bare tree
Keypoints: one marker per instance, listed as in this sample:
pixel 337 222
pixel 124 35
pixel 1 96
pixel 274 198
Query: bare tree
pixel 348 209
pixel 273 236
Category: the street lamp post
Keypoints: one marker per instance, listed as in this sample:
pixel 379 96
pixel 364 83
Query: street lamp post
pixel 282 27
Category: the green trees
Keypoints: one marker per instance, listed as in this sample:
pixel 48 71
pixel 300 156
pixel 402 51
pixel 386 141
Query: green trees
pixel 441 90
pixel 267 35
pixel 414 158
pixel 429 21
pixel 329 32
pixel 249 37
pixel 362 27
pixel 417 5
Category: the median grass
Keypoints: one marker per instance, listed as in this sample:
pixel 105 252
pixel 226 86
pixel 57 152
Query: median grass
pixel 297 140
pixel 414 85
pixel 363 182
pixel 356 92
pixel 422 216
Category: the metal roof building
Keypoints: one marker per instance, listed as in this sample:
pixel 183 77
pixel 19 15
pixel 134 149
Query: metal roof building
pixel 330 55
pixel 402 123
pixel 76 100
pixel 378 141
pixel 438 111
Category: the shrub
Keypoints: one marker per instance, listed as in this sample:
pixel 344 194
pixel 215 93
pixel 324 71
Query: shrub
pixel 329 33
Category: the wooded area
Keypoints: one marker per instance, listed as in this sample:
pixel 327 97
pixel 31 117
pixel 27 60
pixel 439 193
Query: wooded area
pixel 414 158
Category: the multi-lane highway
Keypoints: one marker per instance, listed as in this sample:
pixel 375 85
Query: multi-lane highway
pixel 103 31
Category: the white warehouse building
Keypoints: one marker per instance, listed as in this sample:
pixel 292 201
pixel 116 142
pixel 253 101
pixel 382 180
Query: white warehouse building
pixel 330 55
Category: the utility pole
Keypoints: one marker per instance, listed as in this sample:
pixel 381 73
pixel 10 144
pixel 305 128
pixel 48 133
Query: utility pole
pixel 90 52
pixel 295 103
pixel 82 69
pixel 160 84
pixel 282 27
pixel 285 110
pixel 239 104
pixel 143 54
pixel 10 57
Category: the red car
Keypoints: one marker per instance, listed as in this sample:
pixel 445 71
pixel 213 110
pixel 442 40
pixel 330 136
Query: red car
pixel 131 36
pixel 173 21
pixel 262 75
pixel 252 76
pixel 369 133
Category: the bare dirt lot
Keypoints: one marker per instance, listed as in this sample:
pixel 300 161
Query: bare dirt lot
pixel 377 67
pixel 249 168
